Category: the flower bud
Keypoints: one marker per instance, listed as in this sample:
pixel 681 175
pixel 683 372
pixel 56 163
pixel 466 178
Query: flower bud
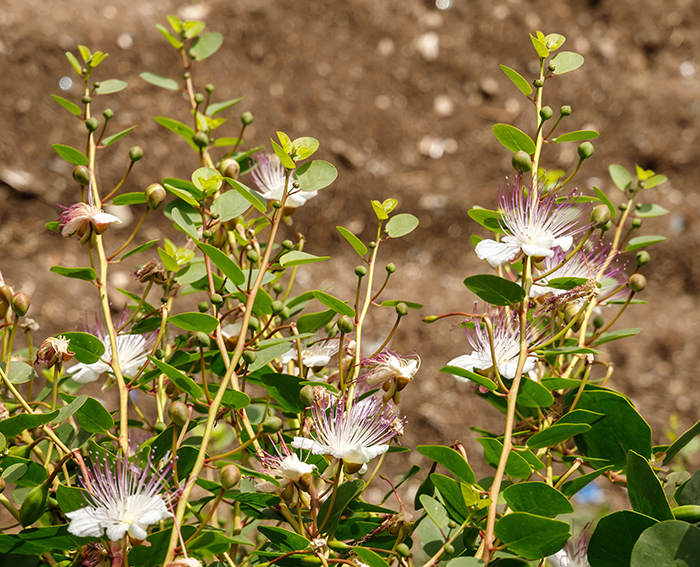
pixel 310 561
pixel 216 299
pixel 390 268
pixel 199 98
pixel 642 257
pixel 403 550
pixel 207 234
pixel 546 112
pixel 600 215
pixel 287 244
pixel 159 354
pixel 345 324
pixel 179 413
pixel 277 307
pixel 209 88
pixel 401 309
pixel 286 313
pixel 565 110
pixel 247 118
pixel 521 161
pixel 339 546
pixel 92 124
pixel 254 324
pixel 203 307
pixel 449 549
pixel 360 271
pixel 185 562
pixel 622 206
pixel 81 174
pixel 20 304
pixel 585 150
pixel 229 476
pixel 187 75
pixel 278 288
pixel 201 140
pixel 202 340
pixel 230 168
pixel 636 223
pixel 3 484
pixel 249 356
pixel 637 282
pixel 539 83
pixel 86 100
pixel 108 113
pixel 54 351
pixel 306 395
pixel 160 426
pixel 155 195
pixel 430 319
pixel 252 255
pixel 272 424
pixel 34 504
pixel 135 153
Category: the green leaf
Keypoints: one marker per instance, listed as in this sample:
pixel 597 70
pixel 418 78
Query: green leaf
pixel 226 141
pixel 463 561
pixel 395 302
pixel 159 81
pixel 569 350
pixel 643 241
pixel 71 155
pixel 576 136
pixel 193 28
pixel 369 557
pixel 655 180
pixel 469 375
pixel 644 489
pixel 539 46
pixel 74 109
pixel 253 197
pixel 534 395
pixel 620 176
pixel 555 434
pixel 181 380
pixel 287 162
pixel 614 538
pixel 355 242
pixel 311 322
pixel 537 498
pixel 490 220
pixel 334 303
pixel 530 536
pixel 72 498
pixel 178 128
pixel 681 442
pixel 670 544
pixel 195 322
pixel 380 209
pixel 20 372
pixel 571 487
pixel 614 335
pixel 91 415
pixel 140 248
pixel 285 389
pixel 136 198
pixel 305 147
pixel 316 175
pixel 110 86
pixel 12 426
pixel 649 210
pixel 516 465
pixel 689 492
pixel 554 41
pixel 229 205
pixel 607 202
pixel 84 53
pixel 513 138
pixel 207 179
pixel 566 61
pixel 566 283
pixel 296 258
pixel 214 109
pixel 518 80
pixel 227 266
pixel 401 225
pixel 176 43
pixel 87 274
pixel 73 60
pixel 452 496
pixel 109 140
pixel 560 383
pixel 284 539
pixel 87 348
pixel 495 290
pixel 346 493
pixel 185 223
pixel 267 355
pixel 450 459
pixel 623 429
pixel 206 45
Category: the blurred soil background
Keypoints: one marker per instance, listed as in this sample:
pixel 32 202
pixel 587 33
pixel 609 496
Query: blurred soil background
pixel 402 96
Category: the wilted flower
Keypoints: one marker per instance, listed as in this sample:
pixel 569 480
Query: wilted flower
pixel 54 351
pixel 291 472
pixel 533 228
pixel 574 553
pixel 153 271
pixel 506 346
pixel 269 176
pixel 316 355
pixel 83 218
pixel 389 367
pixel 355 436
pixel 127 500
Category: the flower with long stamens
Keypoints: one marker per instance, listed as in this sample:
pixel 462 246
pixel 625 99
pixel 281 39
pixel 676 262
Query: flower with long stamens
pixel 356 435
pixel 506 347
pixel 269 176
pixel 532 227
pixel 389 366
pixel 124 499
pixel 81 218
pixel 574 553
pixel 288 469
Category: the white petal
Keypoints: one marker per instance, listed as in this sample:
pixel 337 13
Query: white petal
pixel 84 523
pixel 564 242
pixel 105 218
pixel 497 253
pixel 138 531
pixel 116 530
pixel 85 373
pixel 532 250
pixel 362 455
pixel 468 362
pixel 314 446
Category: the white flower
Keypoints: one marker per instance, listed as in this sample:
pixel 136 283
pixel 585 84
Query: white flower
pixel 506 346
pixel 355 436
pixel 574 554
pixel 533 228
pixel 317 355
pixel 269 176
pixel 131 352
pixel 286 467
pixel 78 218
pixel 125 501
pixel 389 366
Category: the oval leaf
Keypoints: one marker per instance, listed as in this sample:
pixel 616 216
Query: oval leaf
pixel 87 348
pixel 71 155
pixel 206 45
pixel 355 242
pixel 513 138
pixel 532 537
pixel 644 489
pixel 130 199
pixel 316 175
pixel 181 380
pixel 110 86
pixel 109 140
pixel 195 322
pixel 667 543
pixel 229 205
pixel 450 459
pixel 518 80
pixel 87 274
pixel 227 266
pixel 620 176
pixel 642 241
pixel 295 258
pixel 566 61
pixel 614 538
pixel 401 225
pixel 159 81
pixel 576 136
pixel 334 303
pixel 469 375
pixel 537 498
pixel 495 290
pixel 68 105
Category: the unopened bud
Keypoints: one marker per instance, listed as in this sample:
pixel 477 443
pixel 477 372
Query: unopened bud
pixel 636 223
pixel 20 303
pixel 345 324
pixel 565 110
pixel 546 112
pixel 108 113
pixel 202 340
pixel 86 99
pixel 521 161
pixel 622 206
pixel 229 476
pixel 2 484
pixel 430 319
pixel 360 271
pixel 160 426
pixel 287 244
pixel 179 413
pixel 539 83
pixel 34 504
pixel 272 424
pixel 82 175
pixel 230 168
pixel 401 309
pixel 306 395
pixel 249 356
pixel 203 307
pixel 247 118
pixel 278 288
pixel 159 354
pixel 135 153
pixel 199 98
pixel 92 124
pixel 209 88
pixel 598 321
pixel 254 324
pixel 585 150
pixel 637 282
pixel 286 313
pixel 252 255
pixel 277 307
pixel 201 140
pixel 155 195
pixel 216 299
pixel 403 550
pixel 600 215
pixel 391 268
pixel 642 257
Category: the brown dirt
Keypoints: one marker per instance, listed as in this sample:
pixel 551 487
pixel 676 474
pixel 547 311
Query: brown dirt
pixel 350 74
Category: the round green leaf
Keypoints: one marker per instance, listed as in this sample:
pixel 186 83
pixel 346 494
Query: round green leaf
pixel 518 80
pixel 450 459
pixel 566 61
pixel 355 242
pixel 490 220
pixel 401 225
pixel 649 210
pixel 87 348
pixel 87 274
pixel 537 498
pixel 495 290
pixel 229 205
pixel 20 372
pixel 110 86
pixel 513 138
pixel 227 266
pixel 334 303
pixel 206 45
pixel 620 176
pixel 316 175
pixel 614 538
pixel 195 322
pixel 516 465
pixel 556 434
pixel 180 379
pixel 530 536
pixel 295 258
pixel 668 544
pixel 534 395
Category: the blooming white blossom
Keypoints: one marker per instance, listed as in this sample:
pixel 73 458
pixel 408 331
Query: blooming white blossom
pixel 286 467
pixel 506 347
pixel 269 176
pixel 533 227
pixel 388 365
pixel 574 553
pixel 355 436
pixel 316 355
pixel 127 500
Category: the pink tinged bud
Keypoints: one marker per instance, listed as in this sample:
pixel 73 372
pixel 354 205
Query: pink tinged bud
pixel 20 304
pixel 54 350
pixel 155 195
